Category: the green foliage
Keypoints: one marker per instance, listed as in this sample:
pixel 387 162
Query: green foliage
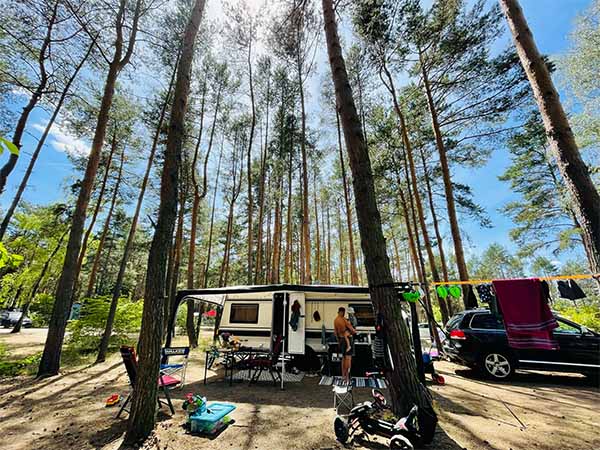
pixel 5 144
pixel 23 366
pixel 7 259
pixel 87 330
pixel 541 215
pixel 586 315
pixel 496 262
pixel 40 310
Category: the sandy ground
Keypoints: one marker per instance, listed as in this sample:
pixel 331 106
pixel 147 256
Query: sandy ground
pixel 534 411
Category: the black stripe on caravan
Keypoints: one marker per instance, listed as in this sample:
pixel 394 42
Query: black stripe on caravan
pixel 245 332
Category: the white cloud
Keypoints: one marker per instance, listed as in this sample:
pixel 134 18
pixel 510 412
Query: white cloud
pixel 63 141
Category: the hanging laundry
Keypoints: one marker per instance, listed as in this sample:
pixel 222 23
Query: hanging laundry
pixel 569 289
pixel 527 316
pixel 454 291
pixel 487 295
pixel 295 315
pixel 442 292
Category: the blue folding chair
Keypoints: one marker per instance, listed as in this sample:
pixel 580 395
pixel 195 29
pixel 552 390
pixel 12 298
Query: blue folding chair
pixel 175 368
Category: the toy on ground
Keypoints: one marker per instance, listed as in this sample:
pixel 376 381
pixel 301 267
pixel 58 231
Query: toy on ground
pixel 206 419
pixel 429 368
pixel 373 418
pixel 113 400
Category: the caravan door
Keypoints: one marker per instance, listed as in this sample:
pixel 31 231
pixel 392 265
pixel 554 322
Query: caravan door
pixel 296 338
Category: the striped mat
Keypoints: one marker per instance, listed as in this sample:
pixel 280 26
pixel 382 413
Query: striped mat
pixel 358 382
pixel 243 375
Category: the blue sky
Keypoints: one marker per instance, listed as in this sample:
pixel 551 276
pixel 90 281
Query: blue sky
pixel 550 21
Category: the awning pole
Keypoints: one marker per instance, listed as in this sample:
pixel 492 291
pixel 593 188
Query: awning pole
pixel 284 338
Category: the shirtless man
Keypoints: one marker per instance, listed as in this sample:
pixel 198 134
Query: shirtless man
pixel 342 327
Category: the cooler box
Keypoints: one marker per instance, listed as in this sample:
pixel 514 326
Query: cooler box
pixel 211 420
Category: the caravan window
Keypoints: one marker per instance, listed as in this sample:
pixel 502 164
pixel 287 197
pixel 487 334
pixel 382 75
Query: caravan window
pixel 364 314
pixel 244 313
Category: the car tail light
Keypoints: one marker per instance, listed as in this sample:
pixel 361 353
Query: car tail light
pixel 458 334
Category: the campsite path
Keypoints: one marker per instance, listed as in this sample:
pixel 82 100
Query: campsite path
pixel 559 412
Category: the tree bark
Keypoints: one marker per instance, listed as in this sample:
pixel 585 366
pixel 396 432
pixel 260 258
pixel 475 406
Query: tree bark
pixel 212 220
pixel 404 384
pixel 287 270
pixel 93 273
pixel 50 362
pixel 317 231
pixel 143 405
pixel 116 294
pixel 584 195
pixel 250 237
pixel 341 245
pixel 306 244
pixel 353 271
pixel 459 253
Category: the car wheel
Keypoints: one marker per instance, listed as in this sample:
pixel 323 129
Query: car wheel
pixel 497 365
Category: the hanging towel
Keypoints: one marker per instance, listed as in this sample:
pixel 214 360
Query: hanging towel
pixel 295 315
pixel 569 289
pixel 527 316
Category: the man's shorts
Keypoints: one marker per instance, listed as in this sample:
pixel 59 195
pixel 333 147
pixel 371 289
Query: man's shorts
pixel 343 347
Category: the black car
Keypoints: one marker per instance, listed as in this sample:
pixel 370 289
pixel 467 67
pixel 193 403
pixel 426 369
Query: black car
pixel 478 339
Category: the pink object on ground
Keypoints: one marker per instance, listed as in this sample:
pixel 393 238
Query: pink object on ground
pixel 527 316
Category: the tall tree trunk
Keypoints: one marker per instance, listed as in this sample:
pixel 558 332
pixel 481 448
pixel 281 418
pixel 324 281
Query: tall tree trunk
pixel 287 270
pixel 341 245
pixel 306 244
pixel 318 232
pixel 250 237
pixel 260 273
pixel 459 253
pixel 212 219
pixel 585 199
pixel 276 252
pixel 97 208
pixel 353 271
pixel 93 273
pixel 143 405
pixel 36 285
pixel 50 362
pixel 40 144
pixel 177 250
pixel 328 245
pixel 404 384
pixel 415 189
pixel 42 56
pixel 116 294
pixel 436 227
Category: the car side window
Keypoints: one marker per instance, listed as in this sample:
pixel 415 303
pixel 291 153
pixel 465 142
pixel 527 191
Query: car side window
pixel 566 328
pixel 486 322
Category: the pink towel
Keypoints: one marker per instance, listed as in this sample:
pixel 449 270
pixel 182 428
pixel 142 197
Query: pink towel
pixel 527 316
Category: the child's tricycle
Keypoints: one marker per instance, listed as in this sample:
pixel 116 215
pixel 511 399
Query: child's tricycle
pixel 403 434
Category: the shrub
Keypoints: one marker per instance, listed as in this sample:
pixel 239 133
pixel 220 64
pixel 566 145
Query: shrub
pixel 40 310
pixel 586 315
pixel 87 330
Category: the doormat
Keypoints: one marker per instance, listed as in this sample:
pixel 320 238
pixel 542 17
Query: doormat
pixel 358 382
pixel 244 375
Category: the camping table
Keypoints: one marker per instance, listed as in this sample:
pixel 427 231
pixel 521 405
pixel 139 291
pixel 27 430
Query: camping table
pixel 231 355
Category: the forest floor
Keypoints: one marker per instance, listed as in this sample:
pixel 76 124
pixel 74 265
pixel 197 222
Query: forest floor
pixel 533 411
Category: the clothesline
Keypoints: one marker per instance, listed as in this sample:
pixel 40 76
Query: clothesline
pixel 551 278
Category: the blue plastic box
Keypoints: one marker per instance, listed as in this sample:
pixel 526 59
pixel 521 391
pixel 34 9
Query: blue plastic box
pixel 211 419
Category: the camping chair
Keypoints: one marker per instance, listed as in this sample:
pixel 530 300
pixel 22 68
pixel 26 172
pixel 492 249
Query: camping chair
pixel 165 382
pixel 179 368
pixel 267 362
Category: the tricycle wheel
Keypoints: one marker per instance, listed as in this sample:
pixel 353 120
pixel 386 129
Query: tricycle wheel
pixel 400 442
pixel 342 431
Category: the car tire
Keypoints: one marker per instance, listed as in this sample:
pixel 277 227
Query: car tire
pixel 497 365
